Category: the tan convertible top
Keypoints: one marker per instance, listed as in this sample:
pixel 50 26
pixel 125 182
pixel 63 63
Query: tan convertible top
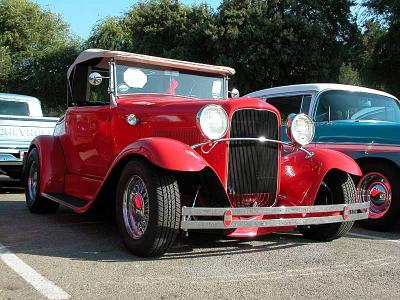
pixel 150 60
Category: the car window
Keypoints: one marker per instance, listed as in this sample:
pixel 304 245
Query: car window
pixel 305 105
pixel 290 104
pixel 81 92
pixel 99 94
pixel 346 105
pixel 141 80
pixel 14 108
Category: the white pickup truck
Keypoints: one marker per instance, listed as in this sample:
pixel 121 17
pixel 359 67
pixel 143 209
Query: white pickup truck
pixel 21 119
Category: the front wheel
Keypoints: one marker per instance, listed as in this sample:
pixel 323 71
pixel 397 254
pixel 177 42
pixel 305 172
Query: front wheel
pixel 337 188
pixel 148 209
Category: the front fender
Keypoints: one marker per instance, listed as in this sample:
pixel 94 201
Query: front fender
pixel 166 153
pixel 52 163
pixel 301 177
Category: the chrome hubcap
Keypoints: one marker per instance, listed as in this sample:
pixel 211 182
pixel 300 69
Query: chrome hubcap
pixel 374 187
pixel 136 207
pixel 33 181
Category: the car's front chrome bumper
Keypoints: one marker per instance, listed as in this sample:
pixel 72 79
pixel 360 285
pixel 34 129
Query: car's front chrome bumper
pixel 226 218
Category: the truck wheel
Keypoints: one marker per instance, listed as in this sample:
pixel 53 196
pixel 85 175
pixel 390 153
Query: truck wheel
pixel 337 188
pixel 36 203
pixel 379 185
pixel 148 209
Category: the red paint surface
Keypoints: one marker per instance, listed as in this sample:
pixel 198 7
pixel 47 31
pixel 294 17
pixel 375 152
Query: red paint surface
pixel 302 177
pixel 52 164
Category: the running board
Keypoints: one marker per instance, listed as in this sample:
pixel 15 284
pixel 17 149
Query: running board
pixel 66 200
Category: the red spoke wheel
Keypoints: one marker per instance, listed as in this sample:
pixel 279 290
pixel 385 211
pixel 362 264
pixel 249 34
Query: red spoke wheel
pixel 148 208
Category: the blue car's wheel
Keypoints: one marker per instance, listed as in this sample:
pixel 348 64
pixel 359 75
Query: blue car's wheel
pixel 379 185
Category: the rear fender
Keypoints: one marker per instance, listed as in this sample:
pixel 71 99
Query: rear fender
pixel 301 177
pixel 52 163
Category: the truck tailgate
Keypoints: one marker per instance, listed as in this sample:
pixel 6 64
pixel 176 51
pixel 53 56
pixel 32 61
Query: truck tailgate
pixel 16 133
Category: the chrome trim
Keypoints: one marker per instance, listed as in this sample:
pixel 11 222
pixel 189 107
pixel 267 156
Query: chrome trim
pixel 11 162
pixel 199 114
pixel 279 210
pixel 348 213
pixel 291 117
pixel 279 136
pixel 55 199
pixel 226 82
pixel 213 143
pixel 112 83
pixel 185 225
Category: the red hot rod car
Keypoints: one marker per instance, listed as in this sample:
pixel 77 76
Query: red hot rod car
pixel 160 139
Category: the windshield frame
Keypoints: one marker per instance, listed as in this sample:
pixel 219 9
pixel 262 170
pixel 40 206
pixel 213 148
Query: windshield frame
pixel 321 93
pixel 117 95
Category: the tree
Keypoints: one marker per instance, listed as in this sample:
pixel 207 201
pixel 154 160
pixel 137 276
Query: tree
pixel 5 65
pixel 157 28
pixel 109 34
pixel 349 75
pixel 285 41
pixel 382 61
pixel 37 44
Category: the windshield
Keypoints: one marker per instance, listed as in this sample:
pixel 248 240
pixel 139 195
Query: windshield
pixel 14 108
pixel 139 80
pixel 345 105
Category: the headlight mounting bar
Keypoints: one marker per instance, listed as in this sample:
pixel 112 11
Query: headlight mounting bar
pixel 213 143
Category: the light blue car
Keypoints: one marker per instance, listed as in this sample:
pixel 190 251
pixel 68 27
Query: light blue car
pixel 363 123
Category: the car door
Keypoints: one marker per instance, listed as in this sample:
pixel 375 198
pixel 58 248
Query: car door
pixel 88 134
pixel 87 139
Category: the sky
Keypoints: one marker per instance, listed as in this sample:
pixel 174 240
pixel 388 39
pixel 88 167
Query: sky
pixel 82 15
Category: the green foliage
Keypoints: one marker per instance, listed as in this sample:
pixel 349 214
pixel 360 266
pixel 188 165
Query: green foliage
pixel 107 34
pixel 382 51
pixel 349 75
pixel 283 42
pixel 5 64
pixel 37 51
pixel 157 28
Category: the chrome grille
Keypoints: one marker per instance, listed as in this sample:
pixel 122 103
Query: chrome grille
pixel 253 166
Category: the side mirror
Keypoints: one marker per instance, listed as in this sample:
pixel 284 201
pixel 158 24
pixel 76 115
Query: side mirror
pixel 235 93
pixel 95 78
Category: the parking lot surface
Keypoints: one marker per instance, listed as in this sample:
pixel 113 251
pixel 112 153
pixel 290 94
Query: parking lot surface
pixel 65 255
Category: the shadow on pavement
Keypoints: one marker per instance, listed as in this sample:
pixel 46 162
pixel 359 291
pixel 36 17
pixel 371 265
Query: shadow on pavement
pixel 94 237
pixel 10 186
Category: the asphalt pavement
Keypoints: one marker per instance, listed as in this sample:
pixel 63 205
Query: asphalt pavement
pixel 65 255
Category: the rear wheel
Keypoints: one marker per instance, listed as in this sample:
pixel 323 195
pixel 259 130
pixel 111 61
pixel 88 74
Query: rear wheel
pixel 35 202
pixel 337 188
pixel 148 209
pixel 379 185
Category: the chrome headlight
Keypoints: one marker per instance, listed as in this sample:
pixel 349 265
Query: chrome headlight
pixel 300 129
pixel 212 121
